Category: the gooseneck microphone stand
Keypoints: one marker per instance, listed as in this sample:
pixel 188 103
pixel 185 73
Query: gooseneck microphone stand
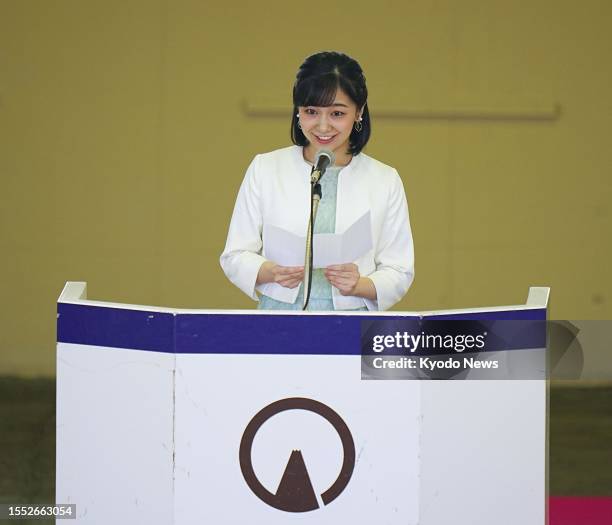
pixel 315 198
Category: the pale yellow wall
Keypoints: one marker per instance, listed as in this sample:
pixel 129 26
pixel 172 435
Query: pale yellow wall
pixel 123 139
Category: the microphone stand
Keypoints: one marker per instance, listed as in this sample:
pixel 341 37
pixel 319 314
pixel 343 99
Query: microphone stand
pixel 315 198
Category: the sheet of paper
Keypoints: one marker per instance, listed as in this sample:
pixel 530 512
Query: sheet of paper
pixel 283 247
pixel 357 240
pixel 287 249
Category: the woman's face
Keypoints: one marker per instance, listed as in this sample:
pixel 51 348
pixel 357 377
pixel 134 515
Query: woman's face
pixel 329 127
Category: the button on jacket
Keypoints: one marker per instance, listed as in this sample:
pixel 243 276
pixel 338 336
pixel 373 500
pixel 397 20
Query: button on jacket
pixel 276 191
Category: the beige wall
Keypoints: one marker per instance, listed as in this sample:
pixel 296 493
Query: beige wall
pixel 123 139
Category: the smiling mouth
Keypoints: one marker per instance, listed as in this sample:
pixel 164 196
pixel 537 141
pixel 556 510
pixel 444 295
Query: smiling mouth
pixel 325 138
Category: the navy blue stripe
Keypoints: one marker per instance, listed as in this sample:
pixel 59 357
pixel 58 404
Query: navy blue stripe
pixel 536 314
pixel 268 334
pixel 115 327
pixel 211 333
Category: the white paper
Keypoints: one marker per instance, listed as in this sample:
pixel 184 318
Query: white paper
pixel 287 249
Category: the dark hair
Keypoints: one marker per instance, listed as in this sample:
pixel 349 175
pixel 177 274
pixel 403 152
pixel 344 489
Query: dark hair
pixel 316 83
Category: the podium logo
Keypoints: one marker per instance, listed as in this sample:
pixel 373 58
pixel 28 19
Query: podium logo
pixel 295 492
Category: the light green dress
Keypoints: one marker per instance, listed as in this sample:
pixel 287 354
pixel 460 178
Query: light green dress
pixel 325 222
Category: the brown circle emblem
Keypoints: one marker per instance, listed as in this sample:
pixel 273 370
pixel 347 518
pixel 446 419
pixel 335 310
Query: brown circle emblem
pixel 295 492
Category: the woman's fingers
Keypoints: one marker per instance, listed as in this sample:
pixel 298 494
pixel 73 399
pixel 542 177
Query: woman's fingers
pixel 291 283
pixel 341 275
pixel 294 283
pixel 348 267
pixel 344 280
pixel 288 270
pixel 288 276
pixel 341 283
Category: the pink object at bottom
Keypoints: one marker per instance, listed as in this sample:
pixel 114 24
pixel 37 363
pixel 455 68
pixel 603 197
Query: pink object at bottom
pixel 580 510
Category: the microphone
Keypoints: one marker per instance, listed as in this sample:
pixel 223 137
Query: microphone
pixel 323 159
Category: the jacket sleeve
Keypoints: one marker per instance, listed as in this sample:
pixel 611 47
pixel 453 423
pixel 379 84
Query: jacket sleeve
pixel 241 258
pixel 394 256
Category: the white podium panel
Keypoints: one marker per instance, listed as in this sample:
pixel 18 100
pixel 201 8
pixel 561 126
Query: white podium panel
pixel 216 398
pixel 483 452
pixel 115 434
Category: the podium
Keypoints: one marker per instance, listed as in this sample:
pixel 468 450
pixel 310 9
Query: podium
pixel 170 416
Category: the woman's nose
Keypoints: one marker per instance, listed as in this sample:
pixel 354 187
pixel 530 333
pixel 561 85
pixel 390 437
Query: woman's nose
pixel 323 124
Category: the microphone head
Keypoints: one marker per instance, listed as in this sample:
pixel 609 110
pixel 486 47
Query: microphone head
pixel 325 153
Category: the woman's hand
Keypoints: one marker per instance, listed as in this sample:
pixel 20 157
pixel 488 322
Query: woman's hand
pixel 287 276
pixel 345 277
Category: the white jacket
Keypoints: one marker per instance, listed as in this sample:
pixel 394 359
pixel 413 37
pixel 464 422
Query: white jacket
pixel 276 191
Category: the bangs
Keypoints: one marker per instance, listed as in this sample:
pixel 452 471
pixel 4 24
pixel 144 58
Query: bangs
pixel 318 91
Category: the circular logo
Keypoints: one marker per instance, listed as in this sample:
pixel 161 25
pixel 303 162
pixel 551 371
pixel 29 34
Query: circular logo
pixel 295 492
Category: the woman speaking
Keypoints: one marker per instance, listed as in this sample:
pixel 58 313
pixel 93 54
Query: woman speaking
pixel 330 112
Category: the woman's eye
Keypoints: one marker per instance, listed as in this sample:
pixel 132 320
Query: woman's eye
pixel 338 114
pixel 309 111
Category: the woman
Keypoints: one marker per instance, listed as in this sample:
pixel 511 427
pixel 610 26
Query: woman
pixel 330 112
